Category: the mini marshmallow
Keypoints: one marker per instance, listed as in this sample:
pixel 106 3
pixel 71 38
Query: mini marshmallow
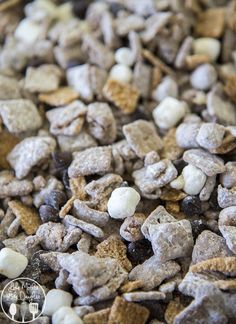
pixel 12 263
pixel 66 315
pixel 121 73
pixel 194 179
pixel 169 112
pixel 124 56
pixel 208 46
pixel 178 183
pixel 123 202
pixel 55 299
pixel 203 77
pixel 29 31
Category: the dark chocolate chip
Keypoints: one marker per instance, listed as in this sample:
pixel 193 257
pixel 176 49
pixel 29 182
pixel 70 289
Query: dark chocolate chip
pixel 48 213
pixel 198 226
pixel 156 309
pixel 191 206
pixel 139 251
pixel 56 199
pixel 66 180
pixel 61 160
pixel 36 267
pixel 213 202
pixel 179 164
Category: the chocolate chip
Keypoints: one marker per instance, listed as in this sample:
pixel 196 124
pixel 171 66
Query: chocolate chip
pixel 198 226
pixel 65 180
pixel 191 206
pixel 36 267
pixel 80 8
pixel 48 213
pixel 56 199
pixel 179 164
pixel 61 161
pixel 139 251
pixel 157 309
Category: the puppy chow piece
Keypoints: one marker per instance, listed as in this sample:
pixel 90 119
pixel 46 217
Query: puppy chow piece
pixel 142 137
pixel 208 188
pixel 76 143
pixel 91 276
pixel 113 247
pixel 12 263
pixel 152 272
pixel 124 25
pixel 228 178
pixel 60 97
pixel 142 77
pixel 194 179
pixel 229 233
pixel 44 78
pixel 45 188
pixel 91 161
pixel 186 134
pixel 226 197
pixel 120 73
pixel 209 245
pixel 210 135
pixel 30 152
pixel 12 187
pixel 20 115
pixel 67 120
pixel 171 150
pixel 208 163
pixel 102 124
pixel 124 96
pixel 130 230
pixel 10 88
pixel 169 112
pixel 154 24
pixel 143 295
pixel 171 240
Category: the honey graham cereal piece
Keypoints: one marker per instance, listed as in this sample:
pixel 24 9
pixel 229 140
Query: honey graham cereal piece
pixel 211 23
pixel 225 265
pixel 124 96
pixel 60 97
pixel 99 317
pixel 131 286
pixel 123 312
pixel 7 143
pixel 77 186
pixel 173 308
pixel 29 217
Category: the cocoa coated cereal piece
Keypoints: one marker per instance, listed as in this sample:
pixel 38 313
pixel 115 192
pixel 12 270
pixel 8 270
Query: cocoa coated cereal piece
pixel 113 247
pixel 210 135
pixel 229 87
pixel 228 178
pixel 67 120
pixel 12 187
pixel 30 152
pixel 124 96
pixel 76 143
pixel 29 217
pixel 60 97
pixel 211 23
pixel 123 312
pixel 91 161
pixel 77 186
pixel 171 150
pixel 225 265
pixel 142 145
pixel 99 317
pixel 131 286
pixel 226 197
pixel 102 124
pixel 130 230
pixel 205 161
pixel 142 78
pixel 10 88
pixel 20 115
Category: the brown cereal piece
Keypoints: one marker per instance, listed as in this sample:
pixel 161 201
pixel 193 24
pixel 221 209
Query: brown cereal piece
pixel 84 243
pixel 18 244
pixel 97 53
pixel 208 163
pixel 129 23
pixel 67 207
pixel 171 150
pixel 131 286
pixel 9 88
pixel 20 115
pixel 91 161
pixel 60 97
pixel 173 308
pixel 84 226
pixel 230 86
pixel 142 136
pixel 124 150
pixel 123 312
pixel 29 217
pixel 211 23
pixel 130 230
pixel 192 61
pixel 173 195
pixel 78 78
pixel 7 143
pixel 11 187
pixel 67 120
pixel 92 278
pixel 226 197
pixel 99 317
pixel 44 188
pixel 76 143
pixel 102 124
pixel 210 135
pixel 30 152
pixel 228 144
pixel 142 78
pixel 124 96
pixel 87 214
pixel 209 245
pixel 226 284
pixel 104 186
pixel 45 78
pixel 225 265
pixel 152 272
pixel 77 186
pixel 113 247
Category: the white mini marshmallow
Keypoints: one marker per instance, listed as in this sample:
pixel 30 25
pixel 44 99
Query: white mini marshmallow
pixel 123 202
pixel 121 73
pixel 29 31
pixel 66 315
pixel 203 77
pixel 208 46
pixel 12 263
pixel 178 183
pixel 125 56
pixel 194 179
pixel 169 112
pixel 55 299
